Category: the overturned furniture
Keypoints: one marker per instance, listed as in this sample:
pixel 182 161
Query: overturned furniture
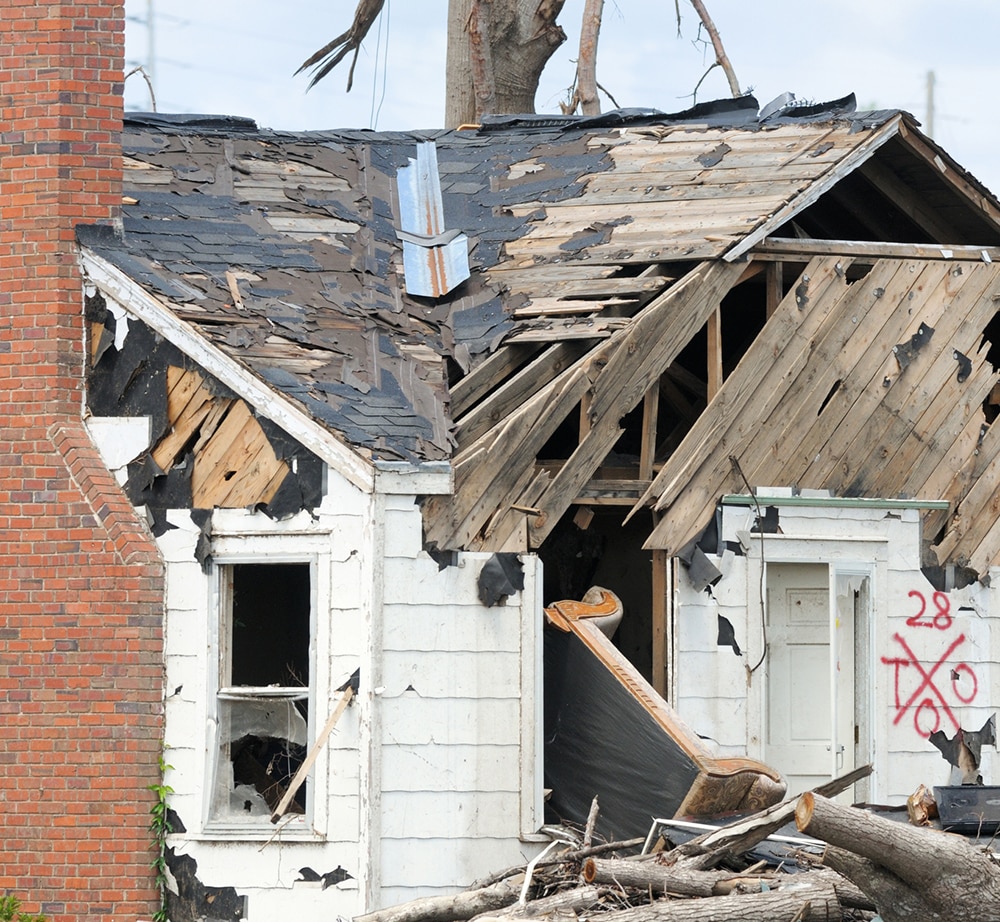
pixel 609 734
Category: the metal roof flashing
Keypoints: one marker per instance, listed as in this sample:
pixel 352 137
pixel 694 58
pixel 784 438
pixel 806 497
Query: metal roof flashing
pixel 426 478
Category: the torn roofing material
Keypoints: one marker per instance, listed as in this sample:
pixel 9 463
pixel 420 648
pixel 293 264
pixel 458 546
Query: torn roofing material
pixel 282 250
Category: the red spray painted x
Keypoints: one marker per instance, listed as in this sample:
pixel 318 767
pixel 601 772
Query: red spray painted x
pixel 928 678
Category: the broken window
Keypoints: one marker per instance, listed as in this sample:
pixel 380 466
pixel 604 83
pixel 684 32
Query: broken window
pixel 263 690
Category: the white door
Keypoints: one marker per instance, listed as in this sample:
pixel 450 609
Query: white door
pixel 803 672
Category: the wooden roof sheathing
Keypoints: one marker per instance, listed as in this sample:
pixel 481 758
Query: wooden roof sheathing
pixel 599 250
pixel 871 387
pixel 687 192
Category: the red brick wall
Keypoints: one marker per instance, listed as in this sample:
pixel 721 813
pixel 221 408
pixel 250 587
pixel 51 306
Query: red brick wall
pixel 80 582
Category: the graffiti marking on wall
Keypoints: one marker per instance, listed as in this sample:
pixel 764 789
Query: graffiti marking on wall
pixel 928 700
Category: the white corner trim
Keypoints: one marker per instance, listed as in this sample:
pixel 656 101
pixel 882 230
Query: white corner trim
pixel 277 408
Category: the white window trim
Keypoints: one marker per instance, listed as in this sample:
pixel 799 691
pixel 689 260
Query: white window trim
pixel 228 550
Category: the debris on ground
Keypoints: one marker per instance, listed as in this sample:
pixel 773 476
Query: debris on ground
pixel 843 863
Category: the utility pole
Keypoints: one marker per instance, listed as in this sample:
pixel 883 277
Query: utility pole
pixel 929 127
pixel 150 41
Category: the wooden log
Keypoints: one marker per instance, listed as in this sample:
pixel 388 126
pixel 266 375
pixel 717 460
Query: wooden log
pixel 899 901
pixel 801 900
pixel 576 854
pixel 574 900
pixel 658 878
pixel 955 880
pixel 851 896
pixel 453 908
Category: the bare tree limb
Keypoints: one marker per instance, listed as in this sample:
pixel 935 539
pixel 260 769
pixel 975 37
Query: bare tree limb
pixel 332 53
pixel 149 83
pixel 721 57
pixel 607 93
pixel 586 65
pixel 697 86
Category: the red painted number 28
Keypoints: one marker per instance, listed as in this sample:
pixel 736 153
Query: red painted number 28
pixel 942 612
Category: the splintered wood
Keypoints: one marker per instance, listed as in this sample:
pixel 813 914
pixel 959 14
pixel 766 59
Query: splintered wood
pixel 711 877
pixel 233 463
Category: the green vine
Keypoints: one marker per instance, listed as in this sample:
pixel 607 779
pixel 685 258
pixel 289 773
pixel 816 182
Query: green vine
pixel 10 911
pixel 159 826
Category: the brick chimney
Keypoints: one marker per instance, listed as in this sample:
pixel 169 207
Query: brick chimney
pixel 81 588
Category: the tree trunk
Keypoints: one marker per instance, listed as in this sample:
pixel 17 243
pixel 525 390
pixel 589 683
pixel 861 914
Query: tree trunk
pixel 802 901
pixel 949 878
pixel 656 877
pixel 522 35
pixel 586 65
pixel 900 902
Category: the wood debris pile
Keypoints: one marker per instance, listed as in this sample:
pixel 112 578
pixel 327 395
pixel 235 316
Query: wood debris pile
pixel 870 867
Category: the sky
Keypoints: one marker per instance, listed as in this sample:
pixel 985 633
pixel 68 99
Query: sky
pixel 238 57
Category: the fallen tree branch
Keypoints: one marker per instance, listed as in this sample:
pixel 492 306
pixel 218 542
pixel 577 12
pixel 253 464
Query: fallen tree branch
pixel 454 908
pixel 815 903
pixel 575 900
pixel 940 876
pixel 575 854
pixel 658 878
pixel 721 58
pixel 332 53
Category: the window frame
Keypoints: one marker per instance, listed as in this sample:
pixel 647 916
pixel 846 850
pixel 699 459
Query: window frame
pixel 229 552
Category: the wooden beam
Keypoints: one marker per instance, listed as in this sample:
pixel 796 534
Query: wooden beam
pixel 979 200
pixel 660 609
pixel 774 284
pixel 714 358
pixel 508 396
pixel 487 472
pixel 868 251
pixel 647 448
pixel 888 184
pixel 488 375
pixel 602 491
pixel 775 426
pixel 757 373
pixel 673 395
pixel 638 357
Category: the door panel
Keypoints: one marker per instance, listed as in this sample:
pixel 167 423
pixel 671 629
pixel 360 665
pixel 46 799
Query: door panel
pixel 799 711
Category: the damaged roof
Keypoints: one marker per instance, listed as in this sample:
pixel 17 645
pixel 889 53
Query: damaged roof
pixel 589 240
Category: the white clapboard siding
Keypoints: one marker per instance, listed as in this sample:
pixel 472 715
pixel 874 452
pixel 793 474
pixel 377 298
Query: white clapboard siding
pixel 436 863
pixel 420 582
pixel 445 814
pixel 482 674
pixel 456 629
pixel 455 722
pixel 444 767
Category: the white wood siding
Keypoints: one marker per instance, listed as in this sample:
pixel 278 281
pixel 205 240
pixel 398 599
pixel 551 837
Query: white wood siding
pixel 265 866
pixel 712 691
pixel 458 681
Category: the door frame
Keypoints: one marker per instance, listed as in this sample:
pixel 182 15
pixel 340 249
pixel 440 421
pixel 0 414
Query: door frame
pixel 843 556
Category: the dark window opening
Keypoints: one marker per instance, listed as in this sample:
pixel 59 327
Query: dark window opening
pixel 263 699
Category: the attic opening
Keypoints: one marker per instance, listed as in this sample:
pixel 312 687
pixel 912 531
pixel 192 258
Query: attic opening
pixel 265 625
